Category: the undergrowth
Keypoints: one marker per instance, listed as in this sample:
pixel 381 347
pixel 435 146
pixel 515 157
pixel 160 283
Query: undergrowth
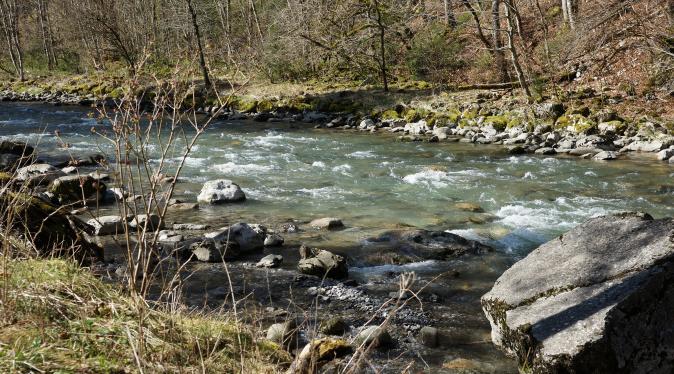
pixel 58 317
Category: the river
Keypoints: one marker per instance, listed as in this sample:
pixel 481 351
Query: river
pixel 373 183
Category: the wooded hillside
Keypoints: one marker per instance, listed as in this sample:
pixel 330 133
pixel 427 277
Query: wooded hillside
pixel 625 43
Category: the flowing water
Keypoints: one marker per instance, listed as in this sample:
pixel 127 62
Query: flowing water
pixel 293 171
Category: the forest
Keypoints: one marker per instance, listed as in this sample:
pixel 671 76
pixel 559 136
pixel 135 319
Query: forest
pixel 443 42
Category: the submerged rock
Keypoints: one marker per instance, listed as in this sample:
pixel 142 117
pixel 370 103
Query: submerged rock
pixel 424 244
pixel 328 223
pixel 597 299
pixel 221 191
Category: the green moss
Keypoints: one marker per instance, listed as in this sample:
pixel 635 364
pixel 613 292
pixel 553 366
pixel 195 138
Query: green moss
pixel 453 116
pixel 245 105
pixel 265 106
pixel 584 125
pixel 389 114
pixel 498 122
pixel 414 115
pixel 469 114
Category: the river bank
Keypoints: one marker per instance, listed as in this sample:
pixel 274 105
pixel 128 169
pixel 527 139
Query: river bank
pixel 604 125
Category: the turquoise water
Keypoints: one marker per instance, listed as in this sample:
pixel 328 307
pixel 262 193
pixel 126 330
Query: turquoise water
pixel 292 171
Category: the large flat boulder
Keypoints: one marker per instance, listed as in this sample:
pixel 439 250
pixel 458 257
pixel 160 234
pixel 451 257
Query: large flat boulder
pixel 597 299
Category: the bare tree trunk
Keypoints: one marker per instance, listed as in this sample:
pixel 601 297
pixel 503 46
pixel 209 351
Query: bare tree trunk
pixel 476 18
pixel 257 20
pixel 568 11
pixel 41 9
pixel 9 16
pixel 544 28
pixel 382 46
pixel 496 36
pixel 197 35
pixel 513 50
pixel 450 20
pixel 224 10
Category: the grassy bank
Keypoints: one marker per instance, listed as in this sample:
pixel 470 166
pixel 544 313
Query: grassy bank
pixel 58 317
pixel 409 101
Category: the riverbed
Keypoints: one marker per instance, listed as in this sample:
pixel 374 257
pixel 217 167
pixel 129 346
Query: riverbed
pixel 294 172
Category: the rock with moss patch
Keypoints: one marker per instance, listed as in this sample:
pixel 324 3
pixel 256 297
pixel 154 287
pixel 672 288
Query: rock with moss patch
pixel 597 299
pixel 333 326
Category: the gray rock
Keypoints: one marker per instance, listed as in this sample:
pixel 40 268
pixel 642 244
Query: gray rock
pixel 248 237
pixel 324 263
pixel 190 226
pixel 546 151
pixel 169 236
pixel 375 336
pixel 605 156
pixel 417 128
pixel 441 132
pixel 646 146
pixel 549 110
pixel 107 225
pixel 38 174
pixel 152 221
pixel 69 170
pixel 365 124
pixel 428 336
pixel 583 151
pixel 97 175
pixel 597 299
pixel 183 206
pixel 270 261
pixel 221 191
pixel 273 240
pixel 289 227
pixel 284 334
pixel 210 250
pixel 327 223
pixel 665 154
pixel 517 150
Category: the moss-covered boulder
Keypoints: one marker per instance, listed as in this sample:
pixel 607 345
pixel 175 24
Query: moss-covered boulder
pixel 77 189
pixel 44 229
